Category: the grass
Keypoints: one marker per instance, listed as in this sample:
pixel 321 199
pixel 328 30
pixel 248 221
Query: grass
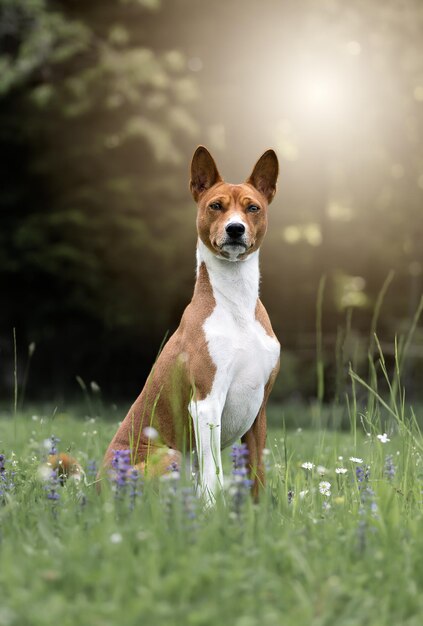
pixel 353 557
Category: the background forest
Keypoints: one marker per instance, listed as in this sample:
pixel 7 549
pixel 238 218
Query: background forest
pixel 101 107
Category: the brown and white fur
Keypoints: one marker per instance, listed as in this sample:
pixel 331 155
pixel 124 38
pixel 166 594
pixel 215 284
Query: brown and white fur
pixel 211 382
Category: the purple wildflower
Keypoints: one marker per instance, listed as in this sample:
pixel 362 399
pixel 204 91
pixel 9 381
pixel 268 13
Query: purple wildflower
pixel 6 479
pixel 51 486
pixel 173 467
pixel 121 464
pixel 189 503
pixel 124 477
pixel 53 441
pixel 368 506
pixel 92 469
pixel 170 482
pixel 389 469
pixel 134 492
pixel 362 473
pixel 179 499
pixel 241 483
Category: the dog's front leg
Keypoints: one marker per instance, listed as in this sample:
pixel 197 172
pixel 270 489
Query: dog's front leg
pixel 206 416
pixel 255 438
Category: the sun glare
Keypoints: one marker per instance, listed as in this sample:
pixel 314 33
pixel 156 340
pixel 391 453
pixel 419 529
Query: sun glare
pixel 319 93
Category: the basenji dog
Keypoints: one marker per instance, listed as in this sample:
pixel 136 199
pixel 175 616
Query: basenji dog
pixel 211 382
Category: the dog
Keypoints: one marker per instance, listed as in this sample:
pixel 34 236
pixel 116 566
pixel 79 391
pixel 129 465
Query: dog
pixel 211 382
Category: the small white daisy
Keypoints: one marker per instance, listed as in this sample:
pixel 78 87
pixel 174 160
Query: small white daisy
pixel 341 470
pixel 383 438
pixel 44 472
pixel 307 465
pixel 115 538
pixel 354 459
pixel 324 488
pixel 321 469
pixel 150 432
pixel 340 458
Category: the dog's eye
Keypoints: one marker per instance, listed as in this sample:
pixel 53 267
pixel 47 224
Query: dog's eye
pixel 253 208
pixel 216 206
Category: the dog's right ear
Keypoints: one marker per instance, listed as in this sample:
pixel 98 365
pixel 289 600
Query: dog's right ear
pixel 204 173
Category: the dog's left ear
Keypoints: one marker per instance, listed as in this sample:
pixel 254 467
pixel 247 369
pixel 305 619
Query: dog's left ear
pixel 265 174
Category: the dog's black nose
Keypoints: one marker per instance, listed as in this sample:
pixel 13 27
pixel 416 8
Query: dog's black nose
pixel 236 229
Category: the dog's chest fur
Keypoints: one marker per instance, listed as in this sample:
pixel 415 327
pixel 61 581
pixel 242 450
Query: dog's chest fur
pixel 243 353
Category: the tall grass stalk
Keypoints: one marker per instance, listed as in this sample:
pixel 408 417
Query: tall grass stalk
pixel 86 394
pixel 372 372
pixel 401 358
pixel 320 372
pixel 31 350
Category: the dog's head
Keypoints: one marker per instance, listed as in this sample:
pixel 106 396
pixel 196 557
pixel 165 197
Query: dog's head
pixel 232 219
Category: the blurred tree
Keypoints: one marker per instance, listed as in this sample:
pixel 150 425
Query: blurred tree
pixel 94 126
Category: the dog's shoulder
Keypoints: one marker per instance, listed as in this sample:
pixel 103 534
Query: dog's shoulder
pixel 263 318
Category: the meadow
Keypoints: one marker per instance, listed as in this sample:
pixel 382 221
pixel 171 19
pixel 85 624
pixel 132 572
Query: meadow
pixel 335 539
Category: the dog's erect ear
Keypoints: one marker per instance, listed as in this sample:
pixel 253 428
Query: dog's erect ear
pixel 265 174
pixel 204 173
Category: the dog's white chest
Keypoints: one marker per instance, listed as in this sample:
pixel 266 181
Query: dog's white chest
pixel 244 356
pixel 243 353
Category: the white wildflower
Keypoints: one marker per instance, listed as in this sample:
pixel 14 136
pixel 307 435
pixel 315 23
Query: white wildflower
pixel 321 469
pixel 383 438
pixel 150 432
pixel 341 470
pixel 115 538
pixel 354 459
pixel 44 472
pixel 303 494
pixel 307 465
pixel 324 488
pixel 169 476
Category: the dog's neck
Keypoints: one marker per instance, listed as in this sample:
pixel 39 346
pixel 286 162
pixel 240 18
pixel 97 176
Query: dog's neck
pixel 235 284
